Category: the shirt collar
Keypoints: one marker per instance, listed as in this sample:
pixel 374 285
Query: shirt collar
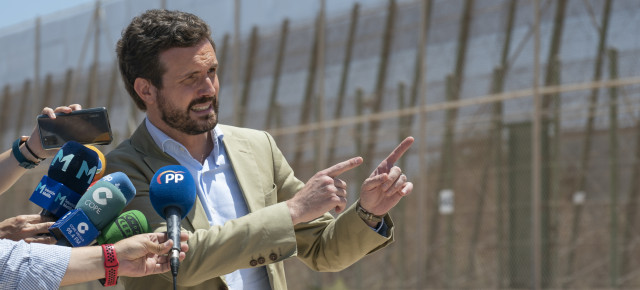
pixel 171 147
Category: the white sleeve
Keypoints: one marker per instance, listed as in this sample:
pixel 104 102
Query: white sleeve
pixel 32 266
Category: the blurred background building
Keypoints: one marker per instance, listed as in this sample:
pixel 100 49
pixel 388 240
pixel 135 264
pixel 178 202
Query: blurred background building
pixel 525 114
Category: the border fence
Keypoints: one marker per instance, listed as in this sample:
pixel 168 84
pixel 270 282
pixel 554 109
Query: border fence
pixel 525 114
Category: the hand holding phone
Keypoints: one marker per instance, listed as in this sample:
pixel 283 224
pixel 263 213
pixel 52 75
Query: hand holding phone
pixel 88 126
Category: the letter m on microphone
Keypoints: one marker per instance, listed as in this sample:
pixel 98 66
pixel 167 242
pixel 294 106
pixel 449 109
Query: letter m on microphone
pixel 41 187
pixel 84 170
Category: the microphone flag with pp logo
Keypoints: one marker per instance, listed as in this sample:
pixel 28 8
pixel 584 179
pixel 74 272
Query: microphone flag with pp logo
pixel 172 186
pixel 172 192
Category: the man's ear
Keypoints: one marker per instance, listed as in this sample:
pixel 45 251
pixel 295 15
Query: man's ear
pixel 145 90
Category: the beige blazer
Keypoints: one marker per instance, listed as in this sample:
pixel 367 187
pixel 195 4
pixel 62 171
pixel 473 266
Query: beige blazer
pixel 264 237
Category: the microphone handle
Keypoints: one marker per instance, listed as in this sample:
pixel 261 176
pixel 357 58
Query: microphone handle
pixel 173 215
pixel 63 242
pixel 47 213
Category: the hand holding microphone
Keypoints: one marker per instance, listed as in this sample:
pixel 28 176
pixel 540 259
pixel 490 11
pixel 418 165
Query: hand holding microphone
pixel 142 255
pixel 172 193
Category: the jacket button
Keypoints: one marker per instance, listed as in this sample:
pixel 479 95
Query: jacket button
pixel 253 263
pixel 273 257
pixel 261 260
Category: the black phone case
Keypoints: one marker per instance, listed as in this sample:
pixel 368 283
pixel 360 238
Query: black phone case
pixel 87 126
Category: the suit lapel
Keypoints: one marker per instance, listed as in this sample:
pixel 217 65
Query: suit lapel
pixel 156 159
pixel 246 169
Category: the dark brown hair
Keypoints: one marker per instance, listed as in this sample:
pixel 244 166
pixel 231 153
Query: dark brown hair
pixel 150 34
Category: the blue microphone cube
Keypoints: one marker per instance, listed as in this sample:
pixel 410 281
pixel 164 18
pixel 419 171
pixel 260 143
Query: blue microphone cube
pixel 54 197
pixel 76 228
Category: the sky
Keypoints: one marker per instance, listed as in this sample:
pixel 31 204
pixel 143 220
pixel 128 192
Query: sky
pixel 13 12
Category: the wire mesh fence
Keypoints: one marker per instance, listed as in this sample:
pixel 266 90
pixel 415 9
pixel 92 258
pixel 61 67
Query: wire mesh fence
pixel 525 114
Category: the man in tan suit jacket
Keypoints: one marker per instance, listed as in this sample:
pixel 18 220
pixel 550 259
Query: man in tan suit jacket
pixel 285 218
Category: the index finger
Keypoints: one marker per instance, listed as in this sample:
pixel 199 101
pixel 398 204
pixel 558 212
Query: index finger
pixel 42 227
pixel 75 107
pixel 163 236
pixel 35 218
pixel 399 151
pixel 342 167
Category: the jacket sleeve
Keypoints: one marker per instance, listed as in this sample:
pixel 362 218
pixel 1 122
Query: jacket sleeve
pixel 327 244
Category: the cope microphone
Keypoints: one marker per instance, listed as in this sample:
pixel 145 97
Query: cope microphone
pixel 97 208
pixel 128 224
pixel 70 174
pixel 172 193
pixel 74 229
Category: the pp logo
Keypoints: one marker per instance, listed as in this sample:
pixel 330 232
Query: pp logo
pixel 108 177
pixel 170 175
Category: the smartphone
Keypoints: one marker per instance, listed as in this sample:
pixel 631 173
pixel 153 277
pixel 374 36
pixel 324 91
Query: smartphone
pixel 88 126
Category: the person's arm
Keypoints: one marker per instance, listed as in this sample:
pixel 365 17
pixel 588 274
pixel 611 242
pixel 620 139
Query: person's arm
pixel 137 256
pixel 32 266
pixel 10 170
pixel 30 148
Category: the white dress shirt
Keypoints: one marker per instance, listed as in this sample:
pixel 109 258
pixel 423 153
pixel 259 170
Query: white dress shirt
pixel 219 192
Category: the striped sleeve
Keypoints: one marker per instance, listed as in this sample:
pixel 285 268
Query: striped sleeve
pixel 32 266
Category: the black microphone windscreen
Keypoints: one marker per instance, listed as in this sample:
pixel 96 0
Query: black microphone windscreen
pixel 74 166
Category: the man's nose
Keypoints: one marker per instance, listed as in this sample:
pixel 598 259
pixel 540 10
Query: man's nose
pixel 208 87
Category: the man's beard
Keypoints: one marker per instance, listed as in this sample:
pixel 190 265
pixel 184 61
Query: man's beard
pixel 182 121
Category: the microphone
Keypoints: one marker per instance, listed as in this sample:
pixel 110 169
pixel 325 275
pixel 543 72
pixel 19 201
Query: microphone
pixel 102 203
pixel 128 224
pixel 97 208
pixel 70 174
pixel 102 163
pixel 172 193
pixel 74 229
pixel 123 183
pixel 75 166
